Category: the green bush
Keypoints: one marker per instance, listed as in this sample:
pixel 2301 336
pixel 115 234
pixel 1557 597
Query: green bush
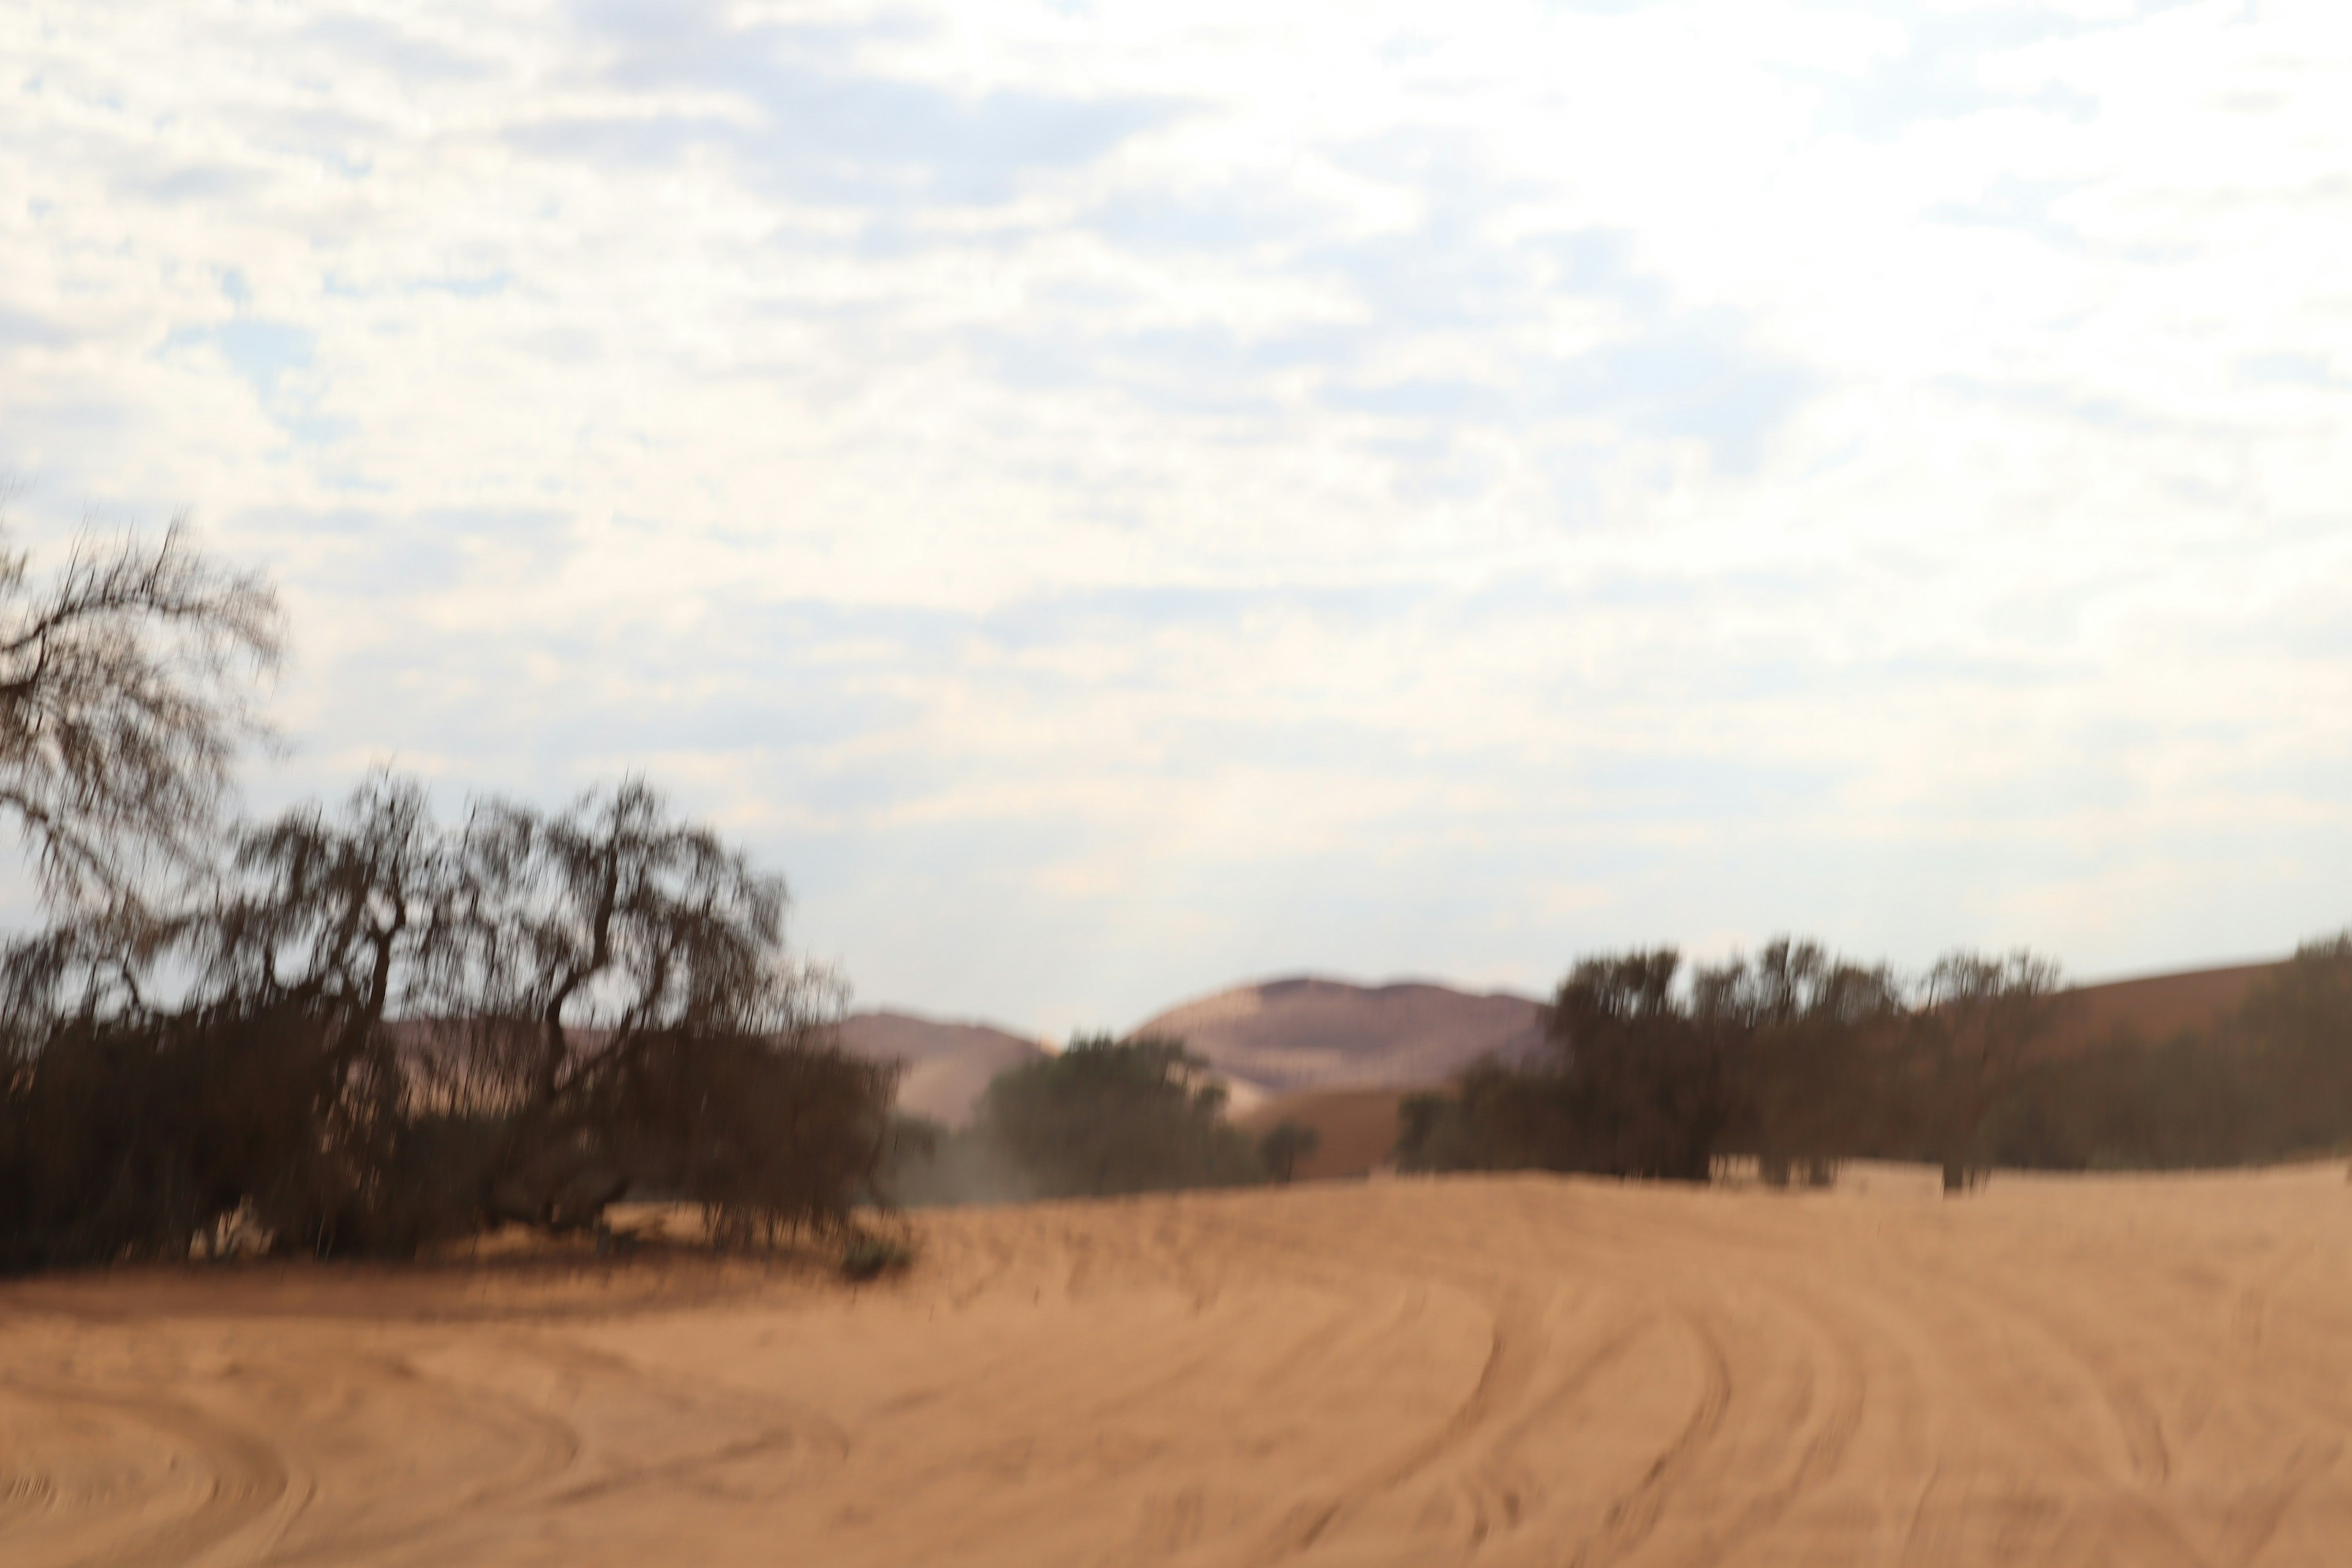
pixel 869 1257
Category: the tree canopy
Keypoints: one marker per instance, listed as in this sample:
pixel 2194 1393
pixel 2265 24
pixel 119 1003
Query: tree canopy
pixel 1108 1116
pixel 125 687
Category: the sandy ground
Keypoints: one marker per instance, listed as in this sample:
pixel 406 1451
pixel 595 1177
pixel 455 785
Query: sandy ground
pixel 1513 1370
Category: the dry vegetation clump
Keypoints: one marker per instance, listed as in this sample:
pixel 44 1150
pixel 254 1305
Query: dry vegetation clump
pixel 1103 1117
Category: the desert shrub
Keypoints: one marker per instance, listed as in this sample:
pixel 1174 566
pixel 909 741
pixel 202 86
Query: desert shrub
pixel 1499 1116
pixel 769 1137
pixel 1428 1133
pixel 1283 1145
pixel 1110 1116
pixel 868 1256
pixel 134 1136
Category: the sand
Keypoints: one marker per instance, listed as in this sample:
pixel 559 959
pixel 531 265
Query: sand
pixel 1511 1369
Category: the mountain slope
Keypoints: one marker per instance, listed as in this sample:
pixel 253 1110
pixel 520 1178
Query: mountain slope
pixel 1282 1035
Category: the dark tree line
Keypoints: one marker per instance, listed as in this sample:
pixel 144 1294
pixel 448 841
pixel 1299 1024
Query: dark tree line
pixel 1796 1057
pixel 1800 1058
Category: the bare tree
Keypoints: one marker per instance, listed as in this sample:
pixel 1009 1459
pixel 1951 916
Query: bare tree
pixel 382 1032
pixel 624 964
pixel 123 702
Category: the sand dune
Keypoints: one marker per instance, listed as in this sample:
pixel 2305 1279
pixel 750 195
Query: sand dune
pixel 1508 1369
pixel 2155 1007
pixel 1285 1035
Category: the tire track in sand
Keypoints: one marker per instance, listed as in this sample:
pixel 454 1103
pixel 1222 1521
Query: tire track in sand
pixel 1635 1513
pixel 247 1475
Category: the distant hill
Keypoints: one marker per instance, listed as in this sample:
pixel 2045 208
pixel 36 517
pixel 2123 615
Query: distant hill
pixel 2155 1007
pixel 1283 1035
pixel 948 1065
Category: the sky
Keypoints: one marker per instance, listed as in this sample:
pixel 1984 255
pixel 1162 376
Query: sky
pixel 1113 500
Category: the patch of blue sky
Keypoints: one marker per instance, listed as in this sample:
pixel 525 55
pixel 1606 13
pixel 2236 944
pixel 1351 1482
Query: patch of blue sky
pixel 1595 261
pixel 2096 410
pixel 2024 205
pixel 2323 780
pixel 1217 221
pixel 264 354
pixel 1939 73
pixel 311 430
pixel 1924 670
pixel 260 352
pixel 2038 800
pixel 193 182
pixel 648 140
pixel 2288 370
pixel 397 51
pixel 1430 278
pixel 650 43
pixel 438 548
pixel 29 330
pixel 1672 375
pixel 1450 399
pixel 1693 378
pixel 827 132
pixel 1150 368
pixel 1667 786
pixel 477 286
pixel 1043 620
pixel 865 143
pixel 1596 8
pixel 496 702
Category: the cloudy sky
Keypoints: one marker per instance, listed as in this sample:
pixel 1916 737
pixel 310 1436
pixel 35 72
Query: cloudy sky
pixel 1114 499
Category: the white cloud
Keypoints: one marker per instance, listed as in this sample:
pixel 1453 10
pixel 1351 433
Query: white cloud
pixel 1117 497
